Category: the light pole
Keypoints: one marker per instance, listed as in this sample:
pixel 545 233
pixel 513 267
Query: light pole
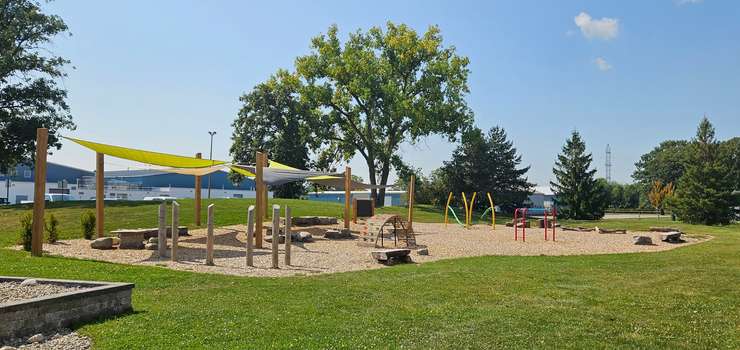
pixel 211 158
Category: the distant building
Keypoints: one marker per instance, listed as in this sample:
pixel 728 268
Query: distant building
pixel 542 197
pixel 392 198
pixel 69 183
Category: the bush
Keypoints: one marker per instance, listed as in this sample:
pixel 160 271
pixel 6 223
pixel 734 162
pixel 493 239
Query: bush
pixel 26 231
pixel 52 229
pixel 88 224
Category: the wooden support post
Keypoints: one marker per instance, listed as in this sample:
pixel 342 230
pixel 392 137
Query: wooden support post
pixel 99 193
pixel 209 239
pixel 275 235
pixel 347 195
pixel 162 230
pixel 175 229
pixel 250 236
pixel 411 203
pixel 259 202
pixel 288 235
pixel 198 203
pixel 266 194
pixel 39 189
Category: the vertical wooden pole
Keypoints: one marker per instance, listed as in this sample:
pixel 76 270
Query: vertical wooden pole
pixel 347 195
pixel 265 197
pixel 288 234
pixel 39 189
pixel 259 202
pixel 411 203
pixel 209 239
pixel 175 229
pixel 275 235
pixel 99 193
pixel 250 235
pixel 162 230
pixel 198 185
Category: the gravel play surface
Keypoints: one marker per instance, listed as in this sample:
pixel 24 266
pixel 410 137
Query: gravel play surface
pixel 329 256
pixel 14 291
pixel 62 339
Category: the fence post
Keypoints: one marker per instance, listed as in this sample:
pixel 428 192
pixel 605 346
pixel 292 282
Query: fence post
pixel 162 230
pixel 288 235
pixel 209 239
pixel 39 189
pixel 175 229
pixel 275 235
pixel 250 235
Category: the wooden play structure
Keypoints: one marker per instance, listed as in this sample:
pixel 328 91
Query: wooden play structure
pixel 382 227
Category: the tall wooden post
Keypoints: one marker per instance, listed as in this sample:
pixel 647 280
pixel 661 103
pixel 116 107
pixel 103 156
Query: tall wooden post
pixel 275 235
pixel 99 193
pixel 347 195
pixel 198 184
pixel 250 235
pixel 288 235
pixel 175 229
pixel 266 194
pixel 162 230
pixel 39 189
pixel 209 239
pixel 259 202
pixel 411 202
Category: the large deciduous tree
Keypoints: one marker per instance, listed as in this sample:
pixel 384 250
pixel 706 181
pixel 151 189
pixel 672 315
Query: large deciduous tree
pixel 381 88
pixel 705 192
pixel 272 119
pixel 488 163
pixel 578 194
pixel 665 163
pixel 30 96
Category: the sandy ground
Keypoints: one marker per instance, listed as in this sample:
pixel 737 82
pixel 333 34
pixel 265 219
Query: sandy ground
pixel 329 256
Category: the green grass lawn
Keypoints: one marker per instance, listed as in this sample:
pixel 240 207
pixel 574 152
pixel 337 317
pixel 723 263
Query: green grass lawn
pixel 682 298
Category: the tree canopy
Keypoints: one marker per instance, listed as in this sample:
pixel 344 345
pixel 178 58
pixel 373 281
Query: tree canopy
pixel 30 96
pixel 665 163
pixel 488 163
pixel 578 195
pixel 381 88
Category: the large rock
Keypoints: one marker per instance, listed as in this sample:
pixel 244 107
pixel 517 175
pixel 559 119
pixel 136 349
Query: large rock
pixel 313 220
pixel 29 282
pixel 303 236
pixel 102 243
pixel 671 237
pixel 642 240
pixel 36 338
pixel 154 240
pixel 337 234
pixel 151 246
pixel 422 251
pixel 281 239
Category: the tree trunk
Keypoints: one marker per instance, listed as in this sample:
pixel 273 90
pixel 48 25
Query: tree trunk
pixel 373 180
pixel 383 181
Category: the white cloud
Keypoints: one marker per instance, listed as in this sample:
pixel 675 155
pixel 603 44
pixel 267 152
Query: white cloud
pixel 602 64
pixel 604 28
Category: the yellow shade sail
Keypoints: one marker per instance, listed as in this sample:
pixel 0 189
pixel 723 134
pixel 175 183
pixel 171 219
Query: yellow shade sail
pixel 147 157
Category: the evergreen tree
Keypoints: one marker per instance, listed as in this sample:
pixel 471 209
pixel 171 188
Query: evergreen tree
pixel 704 194
pixel 488 163
pixel 578 195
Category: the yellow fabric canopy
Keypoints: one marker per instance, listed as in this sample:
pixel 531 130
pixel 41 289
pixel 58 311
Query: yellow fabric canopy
pixel 148 157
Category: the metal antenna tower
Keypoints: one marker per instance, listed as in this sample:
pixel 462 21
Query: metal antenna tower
pixel 608 166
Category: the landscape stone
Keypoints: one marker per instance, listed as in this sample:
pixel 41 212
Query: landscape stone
pixel 151 246
pixel 337 234
pixel 102 243
pixel 671 237
pixel 29 282
pixel 7 347
pixel 422 251
pixel 304 237
pixel 154 240
pixel 37 338
pixel 642 240
pixel 116 240
pixel 281 239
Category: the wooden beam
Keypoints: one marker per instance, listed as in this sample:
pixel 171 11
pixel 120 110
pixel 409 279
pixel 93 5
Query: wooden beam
pixel 175 229
pixel 162 230
pixel 288 234
pixel 99 193
pixel 259 202
pixel 347 195
pixel 250 235
pixel 198 203
pixel 39 189
pixel 275 235
pixel 266 194
pixel 209 238
pixel 411 203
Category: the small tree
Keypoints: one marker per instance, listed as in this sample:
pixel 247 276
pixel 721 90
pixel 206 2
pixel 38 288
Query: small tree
pixel 659 194
pixel 88 224
pixel 52 229
pixel 26 232
pixel 578 194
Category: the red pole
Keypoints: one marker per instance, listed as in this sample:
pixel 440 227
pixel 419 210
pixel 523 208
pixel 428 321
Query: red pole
pixel 554 221
pixel 524 225
pixel 516 212
pixel 545 224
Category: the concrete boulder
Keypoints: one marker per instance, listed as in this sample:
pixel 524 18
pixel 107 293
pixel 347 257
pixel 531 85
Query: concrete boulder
pixel 102 243
pixel 642 240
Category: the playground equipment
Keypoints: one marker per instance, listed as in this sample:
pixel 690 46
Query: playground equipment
pixel 469 210
pixel 554 213
pixel 520 213
pixel 382 226
pixel 492 209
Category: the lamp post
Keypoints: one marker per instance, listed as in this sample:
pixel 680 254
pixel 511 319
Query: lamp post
pixel 211 158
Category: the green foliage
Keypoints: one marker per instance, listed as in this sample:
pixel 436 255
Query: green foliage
pixel 666 163
pixel 623 196
pixel 487 163
pixel 578 194
pixel 88 224
pixel 704 194
pixel 52 229
pixel 381 88
pixel 30 97
pixel 26 232
pixel 273 120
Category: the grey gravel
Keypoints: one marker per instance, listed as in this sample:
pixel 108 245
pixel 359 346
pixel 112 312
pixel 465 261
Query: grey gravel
pixel 62 339
pixel 15 291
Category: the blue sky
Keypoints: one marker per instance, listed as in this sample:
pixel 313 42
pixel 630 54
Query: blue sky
pixel 159 74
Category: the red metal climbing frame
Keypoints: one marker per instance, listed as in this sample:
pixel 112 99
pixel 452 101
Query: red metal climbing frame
pixel 554 213
pixel 523 212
